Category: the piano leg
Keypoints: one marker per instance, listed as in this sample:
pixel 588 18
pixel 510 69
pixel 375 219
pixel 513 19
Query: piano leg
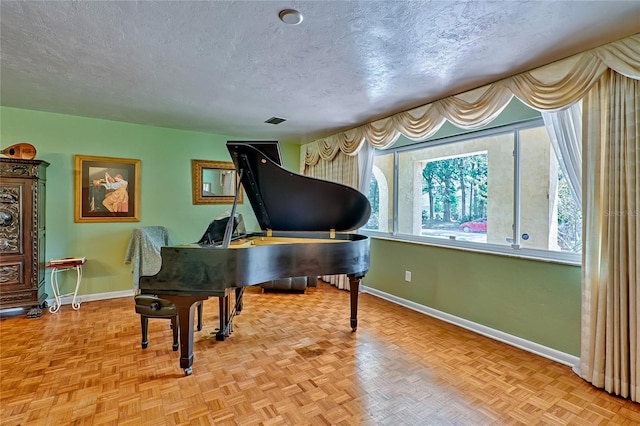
pixel 223 308
pixel 199 316
pixel 228 312
pixel 186 309
pixel 354 287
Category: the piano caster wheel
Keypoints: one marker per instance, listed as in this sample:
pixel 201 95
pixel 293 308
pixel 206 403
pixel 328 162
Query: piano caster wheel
pixel 175 347
pixel 187 371
pixel 144 345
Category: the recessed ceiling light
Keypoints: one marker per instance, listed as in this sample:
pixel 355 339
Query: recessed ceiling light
pixel 290 16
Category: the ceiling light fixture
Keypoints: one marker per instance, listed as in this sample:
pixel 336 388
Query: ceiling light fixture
pixel 290 16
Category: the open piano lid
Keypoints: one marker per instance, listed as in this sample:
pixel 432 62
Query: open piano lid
pixel 287 201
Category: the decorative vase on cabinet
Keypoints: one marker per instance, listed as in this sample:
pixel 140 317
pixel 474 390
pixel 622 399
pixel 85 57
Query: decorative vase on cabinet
pixel 22 234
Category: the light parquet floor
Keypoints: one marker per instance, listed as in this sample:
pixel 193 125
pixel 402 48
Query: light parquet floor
pixel 292 360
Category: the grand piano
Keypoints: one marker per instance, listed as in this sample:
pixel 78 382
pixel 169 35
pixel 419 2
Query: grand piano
pixel 304 223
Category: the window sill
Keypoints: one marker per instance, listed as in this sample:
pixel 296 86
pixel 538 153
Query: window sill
pixel 563 258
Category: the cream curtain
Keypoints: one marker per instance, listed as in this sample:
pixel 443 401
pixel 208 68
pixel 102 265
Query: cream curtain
pixel 565 132
pixel 610 351
pixel 343 169
pixel 610 354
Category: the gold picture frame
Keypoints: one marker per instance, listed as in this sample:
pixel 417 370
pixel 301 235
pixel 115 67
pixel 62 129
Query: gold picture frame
pixel 214 182
pixel 107 189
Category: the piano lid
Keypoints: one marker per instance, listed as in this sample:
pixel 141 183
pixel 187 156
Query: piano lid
pixel 287 201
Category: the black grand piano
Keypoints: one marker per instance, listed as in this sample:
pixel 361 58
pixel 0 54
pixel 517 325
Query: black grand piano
pixel 303 222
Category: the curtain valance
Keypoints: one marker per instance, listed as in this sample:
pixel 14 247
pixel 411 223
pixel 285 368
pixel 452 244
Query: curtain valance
pixel 551 87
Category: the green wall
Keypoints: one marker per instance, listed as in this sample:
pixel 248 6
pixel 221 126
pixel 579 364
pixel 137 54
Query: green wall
pixel 534 300
pixel 166 199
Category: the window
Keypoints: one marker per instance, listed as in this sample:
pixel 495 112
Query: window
pixel 381 194
pixel 454 197
pixel 499 190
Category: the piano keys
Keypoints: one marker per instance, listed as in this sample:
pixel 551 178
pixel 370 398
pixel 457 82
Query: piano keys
pixel 303 224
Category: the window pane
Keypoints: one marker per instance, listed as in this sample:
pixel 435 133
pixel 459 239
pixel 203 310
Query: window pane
pixel 381 194
pixel 549 217
pixel 500 189
pixel 461 191
pixel 569 218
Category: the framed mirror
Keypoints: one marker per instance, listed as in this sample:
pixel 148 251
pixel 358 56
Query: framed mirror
pixel 214 182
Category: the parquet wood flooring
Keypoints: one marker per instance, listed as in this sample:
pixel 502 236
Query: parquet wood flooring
pixel 292 360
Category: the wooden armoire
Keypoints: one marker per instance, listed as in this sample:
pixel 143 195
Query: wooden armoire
pixel 22 234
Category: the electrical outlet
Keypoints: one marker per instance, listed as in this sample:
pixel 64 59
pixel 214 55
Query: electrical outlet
pixel 407 276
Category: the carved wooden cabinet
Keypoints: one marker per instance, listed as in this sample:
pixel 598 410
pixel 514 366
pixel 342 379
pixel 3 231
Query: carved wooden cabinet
pixel 22 234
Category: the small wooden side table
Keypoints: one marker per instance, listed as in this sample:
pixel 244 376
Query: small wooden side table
pixel 61 265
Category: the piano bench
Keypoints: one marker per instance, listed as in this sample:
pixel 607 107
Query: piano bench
pixel 291 284
pixel 149 306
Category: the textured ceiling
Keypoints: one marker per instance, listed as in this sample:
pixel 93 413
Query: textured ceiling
pixel 227 66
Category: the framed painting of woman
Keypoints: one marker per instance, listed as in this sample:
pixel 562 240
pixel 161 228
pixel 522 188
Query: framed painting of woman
pixel 107 189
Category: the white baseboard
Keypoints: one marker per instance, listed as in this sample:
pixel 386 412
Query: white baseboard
pixel 552 354
pixel 66 300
